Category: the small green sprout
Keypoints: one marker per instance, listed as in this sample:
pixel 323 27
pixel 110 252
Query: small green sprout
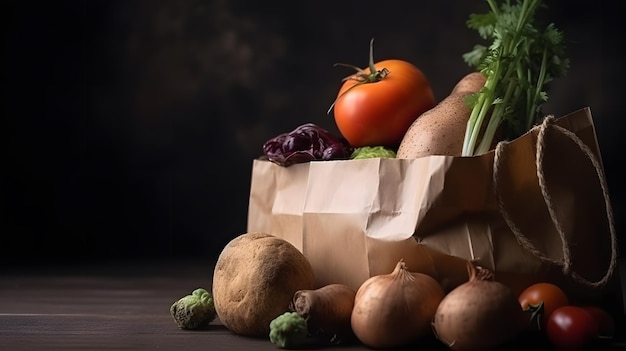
pixel 194 311
pixel 289 330
pixel 372 152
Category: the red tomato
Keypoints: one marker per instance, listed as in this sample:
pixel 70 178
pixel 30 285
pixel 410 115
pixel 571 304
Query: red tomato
pixel 380 112
pixel 571 328
pixel 606 323
pixel 543 298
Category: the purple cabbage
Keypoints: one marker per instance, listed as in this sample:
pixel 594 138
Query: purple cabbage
pixel 307 142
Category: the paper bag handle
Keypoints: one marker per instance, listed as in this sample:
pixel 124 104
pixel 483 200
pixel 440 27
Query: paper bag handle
pixel 548 122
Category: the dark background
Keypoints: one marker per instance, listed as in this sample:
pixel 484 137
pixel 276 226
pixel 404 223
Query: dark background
pixel 129 127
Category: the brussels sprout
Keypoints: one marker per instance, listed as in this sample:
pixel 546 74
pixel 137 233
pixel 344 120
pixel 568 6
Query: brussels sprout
pixel 372 152
pixel 289 330
pixel 194 311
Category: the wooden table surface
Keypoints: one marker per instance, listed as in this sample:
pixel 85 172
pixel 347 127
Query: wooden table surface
pixel 125 306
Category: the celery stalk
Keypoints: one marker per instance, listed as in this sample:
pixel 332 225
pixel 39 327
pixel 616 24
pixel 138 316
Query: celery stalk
pixel 519 64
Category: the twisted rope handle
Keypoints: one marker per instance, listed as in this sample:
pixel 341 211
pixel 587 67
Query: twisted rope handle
pixel 566 263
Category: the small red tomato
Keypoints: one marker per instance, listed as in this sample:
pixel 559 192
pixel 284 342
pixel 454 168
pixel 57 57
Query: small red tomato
pixel 542 299
pixel 571 328
pixel 606 323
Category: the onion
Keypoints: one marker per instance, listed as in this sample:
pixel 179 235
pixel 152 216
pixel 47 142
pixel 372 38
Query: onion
pixel 395 309
pixel 479 314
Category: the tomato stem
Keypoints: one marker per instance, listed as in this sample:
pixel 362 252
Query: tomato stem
pixel 536 312
pixel 362 76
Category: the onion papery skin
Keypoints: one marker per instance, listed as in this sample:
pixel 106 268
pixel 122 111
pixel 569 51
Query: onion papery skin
pixel 481 314
pixel 395 309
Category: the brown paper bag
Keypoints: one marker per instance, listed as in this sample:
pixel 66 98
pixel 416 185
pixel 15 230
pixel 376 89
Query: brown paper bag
pixel 533 209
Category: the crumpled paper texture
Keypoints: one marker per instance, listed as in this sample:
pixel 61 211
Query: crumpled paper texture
pixel 354 219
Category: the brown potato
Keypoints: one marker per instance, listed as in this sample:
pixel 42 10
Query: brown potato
pixel 255 278
pixel 441 130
